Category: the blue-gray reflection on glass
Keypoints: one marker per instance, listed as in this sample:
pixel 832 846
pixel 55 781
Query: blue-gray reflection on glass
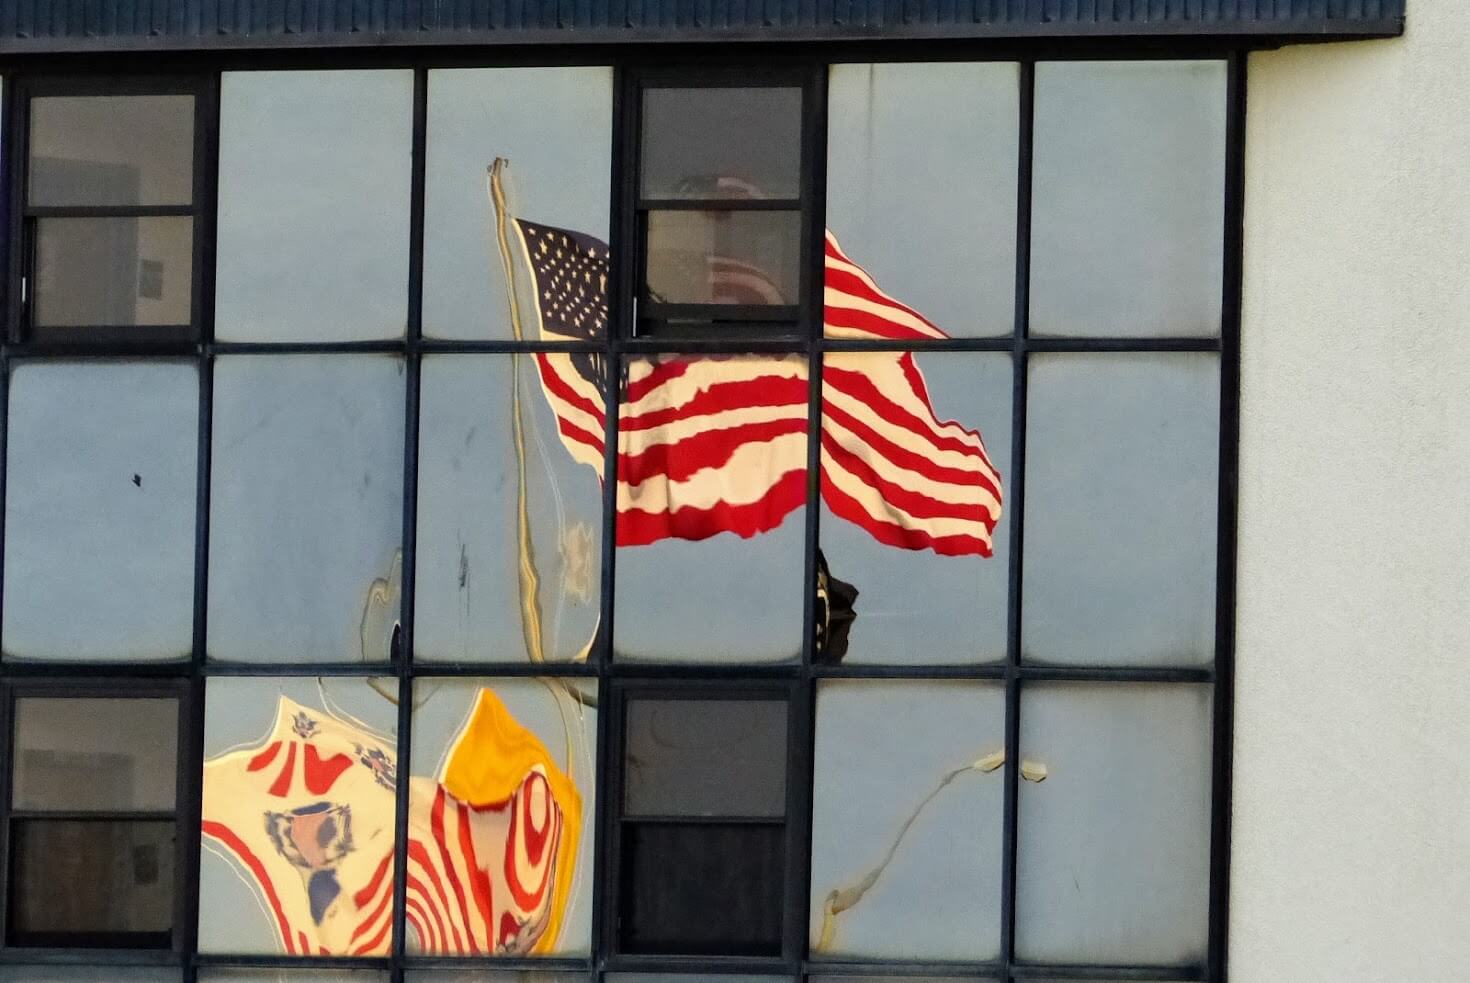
pixel 921 186
pixel 1128 198
pixel 1121 487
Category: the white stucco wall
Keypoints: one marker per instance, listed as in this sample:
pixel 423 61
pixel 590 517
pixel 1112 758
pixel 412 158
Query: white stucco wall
pixel 1351 849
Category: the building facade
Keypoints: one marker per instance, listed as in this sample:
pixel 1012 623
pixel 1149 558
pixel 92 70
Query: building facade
pixel 698 491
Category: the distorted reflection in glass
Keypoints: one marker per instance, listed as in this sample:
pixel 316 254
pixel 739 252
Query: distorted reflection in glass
pixel 1128 198
pixel 298 812
pixel 306 508
pixel 510 507
pixel 723 257
pixel 501 803
pixel 1124 814
pixel 721 142
pixel 906 820
pixel 314 189
pixel 100 498
pixel 1121 487
pixel 711 497
pixel 915 457
pixel 926 201
pixel 553 128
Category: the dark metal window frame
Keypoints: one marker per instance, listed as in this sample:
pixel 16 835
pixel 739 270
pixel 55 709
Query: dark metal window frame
pixel 616 677
pixel 24 216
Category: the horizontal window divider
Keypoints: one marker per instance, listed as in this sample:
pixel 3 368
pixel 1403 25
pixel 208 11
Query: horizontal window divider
pixel 392 346
pixel 1002 343
pixel 664 672
pixel 444 346
pixel 88 956
pixel 44 350
pixel 755 965
pixel 985 670
pixel 700 820
pixel 1115 344
pixel 386 670
pixel 109 211
pixel 94 815
pixel 497 670
pixel 505 964
pixel 1138 674
pixel 843 967
pixel 1090 971
pixel 85 671
pixel 719 204
pixel 125 340
pixel 272 961
pixel 713 346
pixel 664 311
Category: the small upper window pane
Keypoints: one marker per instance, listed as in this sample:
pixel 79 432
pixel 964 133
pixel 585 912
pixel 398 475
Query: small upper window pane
pixel 721 143
pixel 694 757
pixel 112 150
pixel 1128 198
pixel 95 754
pixel 724 257
pixel 924 199
pixel 314 188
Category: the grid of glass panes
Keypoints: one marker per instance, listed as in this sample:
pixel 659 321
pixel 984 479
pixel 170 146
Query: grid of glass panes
pixel 996 763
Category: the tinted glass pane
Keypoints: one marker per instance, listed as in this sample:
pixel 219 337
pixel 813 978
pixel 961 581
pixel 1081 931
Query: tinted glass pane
pixel 510 766
pixel 100 500
pixel 1128 193
pixel 306 507
pixel 721 143
pixel 705 758
pixel 116 272
pixel 1113 855
pixel 298 816
pixel 702 888
pixel 723 257
pixel 476 472
pixel 112 150
pixel 488 976
pixel 88 974
pixel 895 753
pixel 110 879
pixel 95 754
pixel 1121 488
pixel 691 978
pixel 313 205
pixel 711 505
pixel 915 466
pixel 291 976
pixel 554 128
pixel 925 201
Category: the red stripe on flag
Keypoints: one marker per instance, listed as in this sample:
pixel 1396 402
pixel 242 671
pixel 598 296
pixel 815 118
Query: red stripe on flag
pixel 226 836
pixel 844 506
pixel 637 527
pixel 419 855
pixel 436 826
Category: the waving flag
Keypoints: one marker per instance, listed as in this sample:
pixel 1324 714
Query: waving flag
pixel 306 816
pixel 711 444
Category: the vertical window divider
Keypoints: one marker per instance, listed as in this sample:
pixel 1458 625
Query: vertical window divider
pixel 403 656
pixel 1026 108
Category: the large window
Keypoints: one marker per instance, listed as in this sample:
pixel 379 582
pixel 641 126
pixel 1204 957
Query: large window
pixel 661 523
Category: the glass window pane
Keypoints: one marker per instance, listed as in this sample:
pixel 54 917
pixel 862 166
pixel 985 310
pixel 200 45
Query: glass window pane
pixel 722 143
pixel 100 505
pixel 691 978
pixel 1113 853
pixel 925 202
pixel 705 757
pixel 298 815
pixel 1121 488
pixel 1128 198
pixel 481 975
pixel 112 150
pixel 113 272
pixel 89 974
pixel 476 472
pixel 314 177
pixel 211 975
pixel 95 754
pixel 906 820
pixel 553 127
pixel 503 784
pixel 109 881
pixel 306 508
pixel 702 888
pixel 724 257
pixel 711 508
pixel 915 460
